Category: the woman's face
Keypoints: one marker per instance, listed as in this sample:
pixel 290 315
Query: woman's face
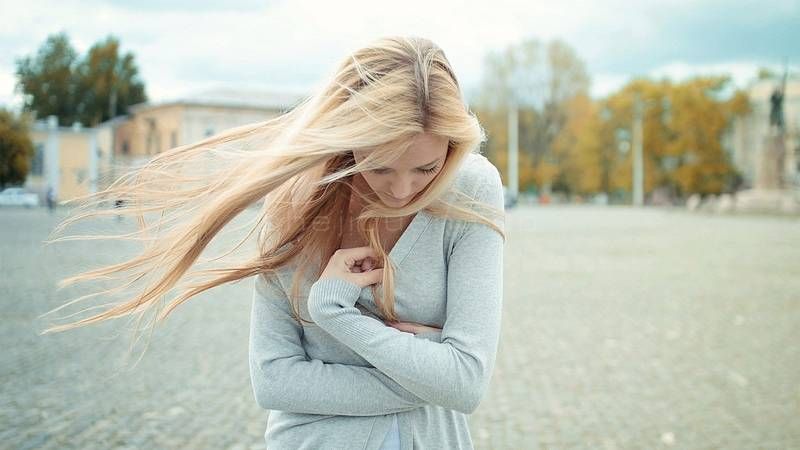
pixel 397 184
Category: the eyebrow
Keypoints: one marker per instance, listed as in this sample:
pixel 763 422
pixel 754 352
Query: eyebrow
pixel 420 167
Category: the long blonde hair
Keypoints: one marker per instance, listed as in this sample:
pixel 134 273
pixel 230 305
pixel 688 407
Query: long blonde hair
pixel 299 167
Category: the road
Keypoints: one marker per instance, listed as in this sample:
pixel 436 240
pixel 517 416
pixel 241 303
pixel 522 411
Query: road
pixel 622 328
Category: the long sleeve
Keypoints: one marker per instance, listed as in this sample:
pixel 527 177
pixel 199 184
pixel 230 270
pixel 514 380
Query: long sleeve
pixel 455 372
pixel 284 378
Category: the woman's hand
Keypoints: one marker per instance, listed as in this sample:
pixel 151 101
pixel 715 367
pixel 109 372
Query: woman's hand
pixel 354 265
pixel 411 327
pixel 357 265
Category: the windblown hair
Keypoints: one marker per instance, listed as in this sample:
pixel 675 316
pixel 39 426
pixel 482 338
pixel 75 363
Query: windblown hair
pixel 298 167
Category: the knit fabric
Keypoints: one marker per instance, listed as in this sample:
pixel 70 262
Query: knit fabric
pixel 342 381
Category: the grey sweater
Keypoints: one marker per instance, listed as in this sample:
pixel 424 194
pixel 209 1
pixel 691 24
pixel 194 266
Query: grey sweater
pixel 336 383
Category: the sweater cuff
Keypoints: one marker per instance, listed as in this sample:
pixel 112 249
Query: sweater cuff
pixel 327 293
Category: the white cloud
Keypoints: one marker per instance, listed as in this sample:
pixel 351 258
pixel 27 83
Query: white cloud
pixel 7 81
pixel 741 72
pixel 605 84
pixel 299 42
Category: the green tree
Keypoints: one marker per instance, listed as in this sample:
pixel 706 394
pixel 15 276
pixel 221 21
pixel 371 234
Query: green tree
pixel 109 82
pixel 90 90
pixel 48 82
pixel 16 148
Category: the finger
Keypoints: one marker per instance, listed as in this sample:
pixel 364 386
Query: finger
pixel 370 277
pixel 367 264
pixel 351 255
pixel 402 326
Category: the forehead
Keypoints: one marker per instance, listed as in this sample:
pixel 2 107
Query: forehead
pixel 424 149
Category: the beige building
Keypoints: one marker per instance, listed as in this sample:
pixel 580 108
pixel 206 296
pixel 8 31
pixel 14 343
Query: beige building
pixel 67 159
pixel 76 161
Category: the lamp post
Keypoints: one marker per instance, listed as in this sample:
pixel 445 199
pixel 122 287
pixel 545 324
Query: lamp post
pixel 513 150
pixel 638 160
pixel 634 139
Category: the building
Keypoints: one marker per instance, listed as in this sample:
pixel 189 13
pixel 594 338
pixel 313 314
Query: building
pixel 68 159
pixel 77 160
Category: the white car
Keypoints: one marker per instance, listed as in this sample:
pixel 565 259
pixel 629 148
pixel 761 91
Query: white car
pixel 16 196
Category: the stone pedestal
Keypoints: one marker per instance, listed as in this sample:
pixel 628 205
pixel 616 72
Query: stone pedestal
pixel 771 193
pixel 769 172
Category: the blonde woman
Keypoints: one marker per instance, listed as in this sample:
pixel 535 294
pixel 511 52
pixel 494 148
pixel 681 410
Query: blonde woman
pixel 377 300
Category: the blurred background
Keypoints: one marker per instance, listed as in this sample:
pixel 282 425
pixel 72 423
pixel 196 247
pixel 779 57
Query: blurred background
pixel 651 157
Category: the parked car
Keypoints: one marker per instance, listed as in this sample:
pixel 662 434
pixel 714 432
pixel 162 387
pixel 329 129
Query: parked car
pixel 17 196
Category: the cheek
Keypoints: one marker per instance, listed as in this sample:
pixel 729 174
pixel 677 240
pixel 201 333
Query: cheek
pixel 373 181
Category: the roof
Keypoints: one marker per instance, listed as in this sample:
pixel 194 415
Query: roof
pixel 233 98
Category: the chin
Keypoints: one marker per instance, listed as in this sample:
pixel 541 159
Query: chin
pixel 395 203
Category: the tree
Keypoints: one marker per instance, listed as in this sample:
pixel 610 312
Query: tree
pixel 495 124
pixel 109 82
pixel 540 79
pixel 683 124
pixel 617 128
pixel 100 86
pixel 580 150
pixel 48 82
pixel 699 119
pixel 16 148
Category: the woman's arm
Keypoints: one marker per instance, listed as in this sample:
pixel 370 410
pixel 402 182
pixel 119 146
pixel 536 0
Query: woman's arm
pixel 284 378
pixel 455 372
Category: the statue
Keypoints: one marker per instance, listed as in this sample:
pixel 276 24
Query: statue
pixel 770 191
pixel 773 155
pixel 776 108
pixel 776 105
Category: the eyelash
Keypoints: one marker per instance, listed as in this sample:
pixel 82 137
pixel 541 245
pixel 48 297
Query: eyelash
pixel 431 170
pixel 425 171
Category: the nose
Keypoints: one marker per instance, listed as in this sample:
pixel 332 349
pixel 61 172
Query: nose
pixel 402 189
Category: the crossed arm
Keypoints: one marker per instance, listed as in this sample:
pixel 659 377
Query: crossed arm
pixel 451 369
pixel 455 372
pixel 283 377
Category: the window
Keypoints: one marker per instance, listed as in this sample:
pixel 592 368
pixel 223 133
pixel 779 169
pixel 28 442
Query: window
pixel 37 165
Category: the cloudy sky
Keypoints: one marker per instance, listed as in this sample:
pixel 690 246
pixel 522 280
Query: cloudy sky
pixel 185 46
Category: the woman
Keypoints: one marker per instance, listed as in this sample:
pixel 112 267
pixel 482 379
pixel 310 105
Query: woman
pixel 378 277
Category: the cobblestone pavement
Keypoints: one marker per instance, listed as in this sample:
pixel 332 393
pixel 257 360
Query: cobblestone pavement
pixel 622 328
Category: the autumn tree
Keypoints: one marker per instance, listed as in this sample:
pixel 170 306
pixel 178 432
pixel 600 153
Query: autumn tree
pixel 618 115
pixel 16 148
pixel 700 115
pixel 683 125
pixel 581 150
pixel 539 79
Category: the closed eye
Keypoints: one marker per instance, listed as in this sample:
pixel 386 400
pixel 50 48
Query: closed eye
pixel 431 170
pixel 425 171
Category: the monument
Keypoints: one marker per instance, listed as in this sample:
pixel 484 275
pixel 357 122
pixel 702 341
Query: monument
pixel 771 192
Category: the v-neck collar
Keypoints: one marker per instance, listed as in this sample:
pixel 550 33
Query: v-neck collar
pixel 405 243
pixel 409 237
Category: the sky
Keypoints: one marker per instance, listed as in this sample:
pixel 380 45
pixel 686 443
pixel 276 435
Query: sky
pixel 187 46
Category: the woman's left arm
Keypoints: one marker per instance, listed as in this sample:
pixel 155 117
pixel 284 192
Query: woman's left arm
pixel 455 372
